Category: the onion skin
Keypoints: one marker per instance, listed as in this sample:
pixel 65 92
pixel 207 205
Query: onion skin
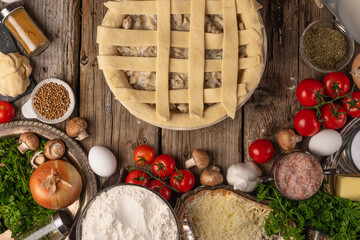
pixel 64 195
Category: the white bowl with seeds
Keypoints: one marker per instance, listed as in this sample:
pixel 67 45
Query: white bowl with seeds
pixel 52 101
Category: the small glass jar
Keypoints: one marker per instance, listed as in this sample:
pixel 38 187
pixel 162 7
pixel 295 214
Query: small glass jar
pixel 24 29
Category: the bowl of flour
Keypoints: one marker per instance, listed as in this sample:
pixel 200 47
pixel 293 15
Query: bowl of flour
pixel 127 211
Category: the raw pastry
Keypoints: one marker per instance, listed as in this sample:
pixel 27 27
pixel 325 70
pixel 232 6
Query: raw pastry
pixel 181 64
pixel 15 70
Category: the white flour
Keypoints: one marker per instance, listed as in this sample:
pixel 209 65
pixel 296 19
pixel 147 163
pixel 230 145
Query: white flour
pixel 129 213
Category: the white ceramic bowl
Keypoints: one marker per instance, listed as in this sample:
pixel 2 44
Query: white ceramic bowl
pixel 29 111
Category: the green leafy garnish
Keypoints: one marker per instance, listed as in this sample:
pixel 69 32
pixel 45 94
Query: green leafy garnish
pixel 17 206
pixel 335 216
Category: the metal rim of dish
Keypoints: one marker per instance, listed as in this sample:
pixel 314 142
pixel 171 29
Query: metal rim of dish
pixel 83 213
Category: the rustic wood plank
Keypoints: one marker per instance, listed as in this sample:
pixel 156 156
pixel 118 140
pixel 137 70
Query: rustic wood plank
pixel 222 142
pixel 110 124
pixel 60 21
pixel 273 105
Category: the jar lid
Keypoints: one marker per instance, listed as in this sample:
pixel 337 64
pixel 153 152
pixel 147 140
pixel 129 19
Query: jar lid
pixel 5 12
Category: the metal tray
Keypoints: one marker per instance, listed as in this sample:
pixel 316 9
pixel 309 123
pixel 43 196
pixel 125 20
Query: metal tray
pixel 74 154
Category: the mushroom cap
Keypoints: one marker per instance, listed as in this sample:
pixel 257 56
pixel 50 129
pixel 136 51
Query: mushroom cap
pixel 201 158
pixel 211 178
pixel 287 139
pixel 54 149
pixel 30 140
pixel 355 70
pixel 76 126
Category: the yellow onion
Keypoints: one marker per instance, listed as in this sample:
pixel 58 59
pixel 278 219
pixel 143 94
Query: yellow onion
pixel 55 184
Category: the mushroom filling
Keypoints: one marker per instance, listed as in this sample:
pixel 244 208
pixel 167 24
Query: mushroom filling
pixel 179 22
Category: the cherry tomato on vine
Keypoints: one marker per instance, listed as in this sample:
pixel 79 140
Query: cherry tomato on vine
pixel 336 84
pixel 261 151
pixel 306 123
pixel 163 165
pixel 305 92
pixel 138 177
pixel 144 155
pixel 161 188
pixel 6 112
pixel 350 104
pixel 333 116
pixel 182 180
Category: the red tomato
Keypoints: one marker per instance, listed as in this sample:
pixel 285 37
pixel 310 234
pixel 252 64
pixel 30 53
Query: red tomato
pixel 6 112
pixel 144 155
pixel 336 84
pixel 163 166
pixel 138 177
pixel 161 188
pixel 305 92
pixel 350 104
pixel 261 151
pixel 306 123
pixel 331 120
pixel 182 180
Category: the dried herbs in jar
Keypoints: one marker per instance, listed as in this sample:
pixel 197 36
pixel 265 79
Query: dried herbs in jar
pixel 324 47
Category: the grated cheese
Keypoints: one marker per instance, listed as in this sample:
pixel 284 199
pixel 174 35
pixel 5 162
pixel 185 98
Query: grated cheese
pixel 226 215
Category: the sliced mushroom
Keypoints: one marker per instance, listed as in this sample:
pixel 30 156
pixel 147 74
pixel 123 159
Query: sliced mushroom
pixel 287 139
pixel 199 158
pixel 77 128
pixel 37 159
pixel 211 177
pixel 28 141
pixel 54 149
pixel 355 70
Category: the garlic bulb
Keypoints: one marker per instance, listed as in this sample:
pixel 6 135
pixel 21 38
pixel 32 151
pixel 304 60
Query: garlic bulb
pixel 243 176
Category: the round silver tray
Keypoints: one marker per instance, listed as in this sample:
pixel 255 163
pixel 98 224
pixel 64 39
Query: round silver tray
pixel 74 154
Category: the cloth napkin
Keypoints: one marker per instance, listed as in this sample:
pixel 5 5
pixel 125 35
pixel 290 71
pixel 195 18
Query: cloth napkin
pixel 114 179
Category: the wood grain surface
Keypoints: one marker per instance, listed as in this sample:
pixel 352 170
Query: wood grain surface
pixel 71 26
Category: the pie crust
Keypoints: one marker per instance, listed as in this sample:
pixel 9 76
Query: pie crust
pixel 205 105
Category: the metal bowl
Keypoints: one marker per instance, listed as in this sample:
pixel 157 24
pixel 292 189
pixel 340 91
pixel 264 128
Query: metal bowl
pixel 350 45
pixel 74 154
pixel 83 214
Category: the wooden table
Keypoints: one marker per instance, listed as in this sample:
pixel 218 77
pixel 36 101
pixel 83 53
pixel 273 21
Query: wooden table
pixel 71 26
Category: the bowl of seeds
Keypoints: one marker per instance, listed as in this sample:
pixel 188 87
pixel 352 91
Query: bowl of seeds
pixel 52 101
pixel 326 46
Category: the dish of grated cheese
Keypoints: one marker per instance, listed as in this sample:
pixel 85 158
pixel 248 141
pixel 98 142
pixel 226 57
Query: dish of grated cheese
pixel 223 214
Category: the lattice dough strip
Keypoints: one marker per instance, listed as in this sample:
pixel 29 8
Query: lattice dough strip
pixel 177 7
pixel 196 59
pixel 138 38
pixel 211 95
pixel 148 64
pixel 230 63
pixel 163 60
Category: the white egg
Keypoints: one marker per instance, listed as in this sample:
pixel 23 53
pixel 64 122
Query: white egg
pixel 102 161
pixel 325 142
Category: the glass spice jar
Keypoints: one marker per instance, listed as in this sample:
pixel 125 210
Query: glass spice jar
pixel 24 29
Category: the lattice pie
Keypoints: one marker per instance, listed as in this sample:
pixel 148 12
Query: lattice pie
pixel 181 64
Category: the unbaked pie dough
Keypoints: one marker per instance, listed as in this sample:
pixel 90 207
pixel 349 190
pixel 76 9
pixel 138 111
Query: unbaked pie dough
pixel 181 64
pixel 15 71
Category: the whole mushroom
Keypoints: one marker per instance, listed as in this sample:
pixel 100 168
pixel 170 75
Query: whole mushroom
pixel 211 177
pixel 28 141
pixel 76 127
pixel 355 70
pixel 37 159
pixel 199 158
pixel 54 149
pixel 287 139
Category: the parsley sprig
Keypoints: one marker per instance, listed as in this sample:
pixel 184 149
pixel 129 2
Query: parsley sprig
pixel 335 216
pixel 18 209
